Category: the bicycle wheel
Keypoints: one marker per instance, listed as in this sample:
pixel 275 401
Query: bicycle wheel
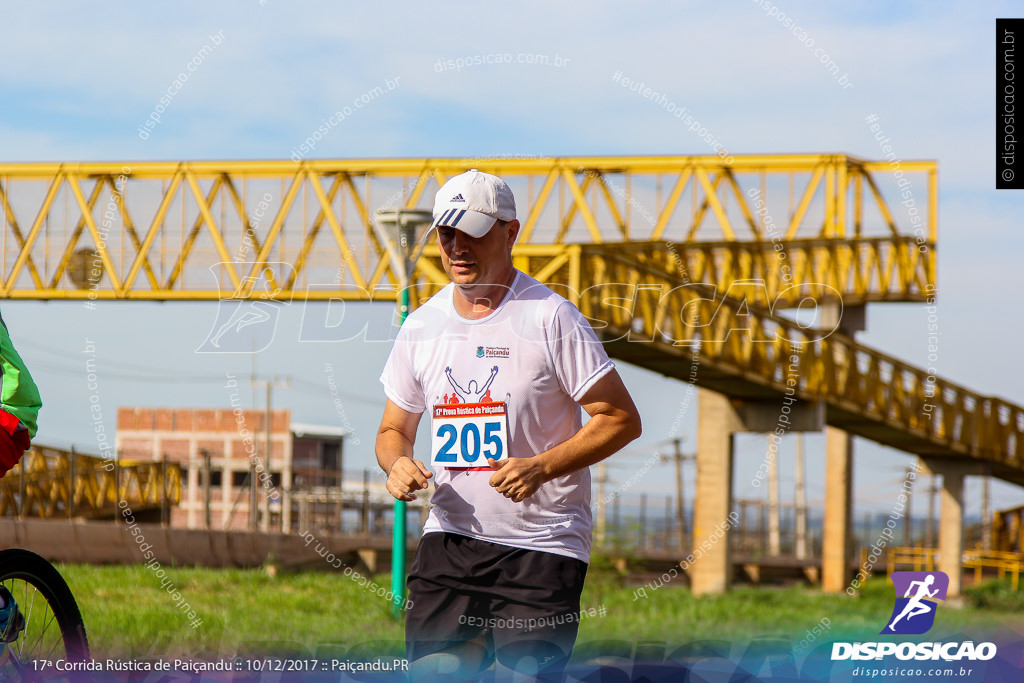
pixel 53 639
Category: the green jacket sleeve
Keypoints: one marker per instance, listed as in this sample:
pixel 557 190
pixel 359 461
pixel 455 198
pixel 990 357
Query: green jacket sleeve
pixel 18 393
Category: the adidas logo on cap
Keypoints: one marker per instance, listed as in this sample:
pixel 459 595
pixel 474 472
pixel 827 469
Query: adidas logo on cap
pixel 472 202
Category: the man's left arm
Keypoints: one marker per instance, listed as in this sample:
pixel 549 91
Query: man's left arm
pixel 614 422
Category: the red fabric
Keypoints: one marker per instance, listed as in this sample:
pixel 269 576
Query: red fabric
pixel 8 422
pixel 13 441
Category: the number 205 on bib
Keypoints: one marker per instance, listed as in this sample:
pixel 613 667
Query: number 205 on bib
pixel 466 434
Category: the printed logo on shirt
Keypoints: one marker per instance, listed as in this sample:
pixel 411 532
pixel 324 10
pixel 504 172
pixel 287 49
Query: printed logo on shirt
pixel 493 352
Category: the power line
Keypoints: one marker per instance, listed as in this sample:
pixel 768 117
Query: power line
pixel 309 388
pixel 107 373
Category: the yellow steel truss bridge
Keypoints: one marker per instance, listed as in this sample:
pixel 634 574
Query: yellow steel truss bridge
pixel 207 230
pixel 676 260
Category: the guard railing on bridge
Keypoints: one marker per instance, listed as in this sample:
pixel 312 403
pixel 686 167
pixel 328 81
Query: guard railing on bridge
pixel 1003 564
pixel 53 483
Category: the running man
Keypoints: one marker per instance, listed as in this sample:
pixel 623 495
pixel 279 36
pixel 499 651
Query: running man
pixel 916 605
pixel 500 567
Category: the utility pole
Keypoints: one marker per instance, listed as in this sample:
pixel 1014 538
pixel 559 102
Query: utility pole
pixel 207 477
pixel 986 509
pixel 930 532
pixel 252 495
pixel 801 500
pixel 643 521
pixel 678 457
pixel 617 521
pixel 680 509
pixel 908 522
pixel 773 501
pixel 269 385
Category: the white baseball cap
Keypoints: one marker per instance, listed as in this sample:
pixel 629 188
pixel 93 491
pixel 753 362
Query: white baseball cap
pixel 472 201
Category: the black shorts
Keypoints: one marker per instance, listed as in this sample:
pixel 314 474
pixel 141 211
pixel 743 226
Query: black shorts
pixel 526 603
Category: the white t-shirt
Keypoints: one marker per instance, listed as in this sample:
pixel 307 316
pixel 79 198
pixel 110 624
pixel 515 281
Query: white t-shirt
pixel 537 354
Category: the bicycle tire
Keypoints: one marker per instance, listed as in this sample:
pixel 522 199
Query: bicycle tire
pixel 29 576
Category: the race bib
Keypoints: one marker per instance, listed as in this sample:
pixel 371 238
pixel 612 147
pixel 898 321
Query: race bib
pixel 466 434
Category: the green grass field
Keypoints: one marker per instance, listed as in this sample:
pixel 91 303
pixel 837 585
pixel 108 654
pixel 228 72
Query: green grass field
pixel 129 614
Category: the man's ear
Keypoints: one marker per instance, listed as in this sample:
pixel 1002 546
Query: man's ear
pixel 511 232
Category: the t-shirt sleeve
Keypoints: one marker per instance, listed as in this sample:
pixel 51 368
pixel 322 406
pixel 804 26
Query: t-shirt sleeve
pixel 579 358
pixel 401 384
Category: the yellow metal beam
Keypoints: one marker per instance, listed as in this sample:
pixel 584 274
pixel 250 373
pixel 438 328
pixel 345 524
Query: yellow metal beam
pixel 191 236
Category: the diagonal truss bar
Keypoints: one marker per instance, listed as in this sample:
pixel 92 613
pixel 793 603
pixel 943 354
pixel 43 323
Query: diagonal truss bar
pixel 579 197
pixel 258 266
pixel 805 202
pixel 197 226
pixel 673 200
pixel 711 199
pixel 133 235
pixel 613 208
pixel 215 233
pixel 97 190
pixel 25 243
pixel 339 234
pixel 574 207
pixel 154 230
pixel 741 200
pixel 243 215
pixel 101 242
pixel 538 206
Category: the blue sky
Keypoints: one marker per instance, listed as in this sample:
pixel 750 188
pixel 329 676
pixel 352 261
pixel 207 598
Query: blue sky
pixel 78 82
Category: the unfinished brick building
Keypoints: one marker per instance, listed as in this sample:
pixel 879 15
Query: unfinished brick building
pixel 224 453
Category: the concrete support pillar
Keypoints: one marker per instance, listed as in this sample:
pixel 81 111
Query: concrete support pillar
pixel 951 516
pixel 836 535
pixel 847 319
pixel 835 550
pixel 717 420
pixel 951 529
pixel 286 497
pixel 286 484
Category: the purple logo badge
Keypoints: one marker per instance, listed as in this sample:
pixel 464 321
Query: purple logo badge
pixel 914 612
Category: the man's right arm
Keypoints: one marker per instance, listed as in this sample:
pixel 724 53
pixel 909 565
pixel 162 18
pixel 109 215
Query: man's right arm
pixel 394 452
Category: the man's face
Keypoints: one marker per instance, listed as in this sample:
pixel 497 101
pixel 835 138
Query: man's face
pixel 478 260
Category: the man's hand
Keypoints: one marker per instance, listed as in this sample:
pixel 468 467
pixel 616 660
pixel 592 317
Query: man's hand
pixel 517 478
pixel 407 475
pixel 395 438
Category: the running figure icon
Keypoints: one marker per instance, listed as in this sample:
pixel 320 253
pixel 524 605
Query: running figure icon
pixel 473 389
pixel 916 605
